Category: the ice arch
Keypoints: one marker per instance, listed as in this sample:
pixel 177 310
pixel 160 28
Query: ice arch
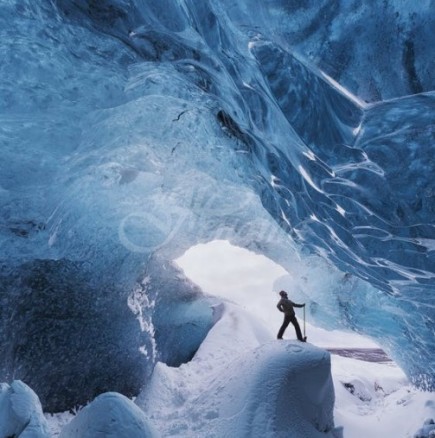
pixel 253 281
pixel 133 130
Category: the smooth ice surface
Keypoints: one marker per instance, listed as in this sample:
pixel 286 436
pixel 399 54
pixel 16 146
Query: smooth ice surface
pixel 21 412
pixel 131 131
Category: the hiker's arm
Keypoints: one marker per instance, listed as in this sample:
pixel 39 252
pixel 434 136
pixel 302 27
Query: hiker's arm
pixel 279 306
pixel 298 305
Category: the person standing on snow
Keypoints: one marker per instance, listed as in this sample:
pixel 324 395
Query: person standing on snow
pixel 287 307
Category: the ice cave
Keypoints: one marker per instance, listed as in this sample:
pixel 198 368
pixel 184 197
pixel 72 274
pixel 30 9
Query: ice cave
pixel 133 130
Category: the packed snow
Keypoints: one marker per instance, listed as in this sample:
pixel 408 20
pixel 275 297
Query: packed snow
pixel 231 389
pixel 244 382
pixel 109 415
pixel 382 404
pixel 376 400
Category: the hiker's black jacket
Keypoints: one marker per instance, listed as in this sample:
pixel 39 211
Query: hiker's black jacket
pixel 285 305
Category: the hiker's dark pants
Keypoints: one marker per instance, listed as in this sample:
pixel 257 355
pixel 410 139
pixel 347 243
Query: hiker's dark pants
pixel 287 320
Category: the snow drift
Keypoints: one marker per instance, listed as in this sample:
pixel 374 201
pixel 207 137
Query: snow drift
pixel 242 382
pixel 109 415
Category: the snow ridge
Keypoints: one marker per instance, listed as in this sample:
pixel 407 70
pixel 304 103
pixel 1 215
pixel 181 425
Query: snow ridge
pixel 242 383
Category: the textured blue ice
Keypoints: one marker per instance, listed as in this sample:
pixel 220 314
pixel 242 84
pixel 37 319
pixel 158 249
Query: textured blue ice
pixel 131 130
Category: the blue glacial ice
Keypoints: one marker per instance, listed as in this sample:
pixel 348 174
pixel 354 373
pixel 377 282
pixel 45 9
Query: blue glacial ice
pixel 132 130
pixel 21 412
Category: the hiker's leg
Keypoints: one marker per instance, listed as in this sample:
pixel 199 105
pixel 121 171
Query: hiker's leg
pixel 294 321
pixel 284 326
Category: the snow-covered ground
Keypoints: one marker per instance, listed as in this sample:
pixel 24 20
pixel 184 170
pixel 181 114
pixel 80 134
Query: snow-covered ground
pixel 383 403
pixel 242 383
pixel 240 368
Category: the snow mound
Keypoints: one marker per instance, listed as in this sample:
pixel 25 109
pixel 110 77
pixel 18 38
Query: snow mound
pixel 110 415
pixel 276 389
pixel 243 383
pixel 21 412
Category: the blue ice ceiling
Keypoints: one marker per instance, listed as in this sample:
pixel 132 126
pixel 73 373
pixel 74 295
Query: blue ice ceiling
pixel 132 130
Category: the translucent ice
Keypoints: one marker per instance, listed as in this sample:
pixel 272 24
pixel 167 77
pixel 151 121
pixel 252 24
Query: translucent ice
pixel 21 412
pixel 132 130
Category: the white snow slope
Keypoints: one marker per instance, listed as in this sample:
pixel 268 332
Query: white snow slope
pixel 242 383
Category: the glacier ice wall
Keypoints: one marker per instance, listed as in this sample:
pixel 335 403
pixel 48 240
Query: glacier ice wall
pixel 131 130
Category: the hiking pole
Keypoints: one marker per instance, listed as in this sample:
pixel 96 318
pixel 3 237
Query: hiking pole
pixel 305 336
